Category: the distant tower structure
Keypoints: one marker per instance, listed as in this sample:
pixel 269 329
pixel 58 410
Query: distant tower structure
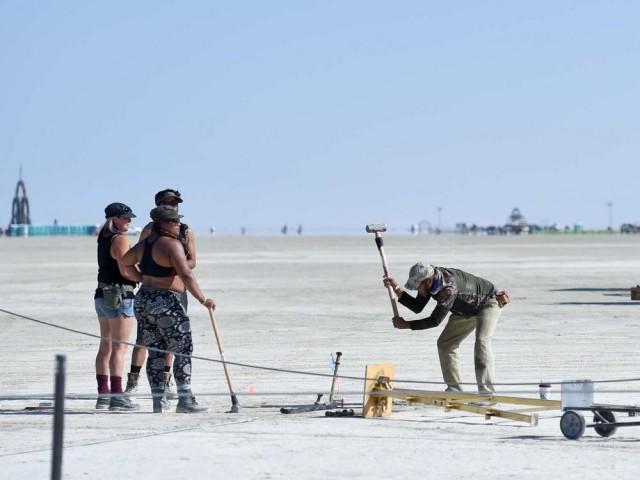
pixel 517 222
pixel 516 217
pixel 20 210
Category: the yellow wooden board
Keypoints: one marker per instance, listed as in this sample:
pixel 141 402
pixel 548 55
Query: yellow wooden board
pixel 379 394
pixel 377 406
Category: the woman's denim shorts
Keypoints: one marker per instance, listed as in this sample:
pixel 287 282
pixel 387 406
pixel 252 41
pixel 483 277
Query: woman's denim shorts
pixel 125 309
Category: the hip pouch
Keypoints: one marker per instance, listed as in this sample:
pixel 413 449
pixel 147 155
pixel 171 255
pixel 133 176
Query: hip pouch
pixel 112 295
pixel 503 298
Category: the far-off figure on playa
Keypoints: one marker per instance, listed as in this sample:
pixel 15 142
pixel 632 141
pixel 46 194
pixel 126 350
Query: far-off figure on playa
pixel 474 304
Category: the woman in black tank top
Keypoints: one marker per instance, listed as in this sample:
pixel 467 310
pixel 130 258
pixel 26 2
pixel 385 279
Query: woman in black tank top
pixel 115 318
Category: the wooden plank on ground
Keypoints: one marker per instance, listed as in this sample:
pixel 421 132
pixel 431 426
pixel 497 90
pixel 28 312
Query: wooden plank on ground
pixel 468 402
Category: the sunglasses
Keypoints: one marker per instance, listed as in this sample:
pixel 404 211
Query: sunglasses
pixel 170 203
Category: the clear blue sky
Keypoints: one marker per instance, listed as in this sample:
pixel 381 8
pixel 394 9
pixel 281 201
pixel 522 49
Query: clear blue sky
pixel 329 114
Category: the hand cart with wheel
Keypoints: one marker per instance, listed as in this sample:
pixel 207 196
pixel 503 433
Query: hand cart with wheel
pixel 605 423
pixel 577 397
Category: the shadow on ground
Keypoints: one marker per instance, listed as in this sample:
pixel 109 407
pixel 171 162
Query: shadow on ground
pixel 606 292
pixel 584 289
pixel 597 303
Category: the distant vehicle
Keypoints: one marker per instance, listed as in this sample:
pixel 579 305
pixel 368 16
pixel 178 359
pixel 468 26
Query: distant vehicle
pixel 630 228
pixel 462 228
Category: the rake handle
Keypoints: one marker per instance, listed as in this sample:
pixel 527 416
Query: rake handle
pixel 234 399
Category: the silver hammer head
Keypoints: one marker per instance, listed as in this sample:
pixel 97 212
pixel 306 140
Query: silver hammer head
pixel 376 227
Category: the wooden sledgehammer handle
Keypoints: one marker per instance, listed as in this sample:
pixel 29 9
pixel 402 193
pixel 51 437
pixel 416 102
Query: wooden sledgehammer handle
pixel 392 296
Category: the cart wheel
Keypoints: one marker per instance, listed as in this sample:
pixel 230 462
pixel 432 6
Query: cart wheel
pixel 572 425
pixel 603 418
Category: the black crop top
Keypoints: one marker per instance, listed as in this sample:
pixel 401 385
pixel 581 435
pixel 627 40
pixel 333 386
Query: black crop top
pixel 149 267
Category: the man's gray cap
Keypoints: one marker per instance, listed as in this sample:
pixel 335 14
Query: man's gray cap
pixel 418 274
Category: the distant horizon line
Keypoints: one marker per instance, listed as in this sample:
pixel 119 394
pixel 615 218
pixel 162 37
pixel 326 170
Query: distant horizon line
pixel 58 230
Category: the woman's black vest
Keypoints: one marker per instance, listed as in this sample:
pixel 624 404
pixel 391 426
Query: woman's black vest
pixel 108 271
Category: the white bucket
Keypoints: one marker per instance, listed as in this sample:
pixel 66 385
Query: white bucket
pixel 577 393
pixel 545 391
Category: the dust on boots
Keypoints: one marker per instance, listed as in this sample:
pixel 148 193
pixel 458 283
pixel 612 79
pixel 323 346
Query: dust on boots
pixel 122 403
pixel 132 384
pixel 169 387
pixel 161 404
pixel 187 404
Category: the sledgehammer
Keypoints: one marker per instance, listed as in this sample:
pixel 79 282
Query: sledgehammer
pixel 377 228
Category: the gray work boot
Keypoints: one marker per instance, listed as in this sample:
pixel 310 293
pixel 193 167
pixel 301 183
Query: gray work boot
pixel 132 384
pixel 169 387
pixel 122 403
pixel 103 401
pixel 161 404
pixel 187 404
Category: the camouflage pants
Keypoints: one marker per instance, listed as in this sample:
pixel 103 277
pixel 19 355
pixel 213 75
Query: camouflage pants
pixel 163 324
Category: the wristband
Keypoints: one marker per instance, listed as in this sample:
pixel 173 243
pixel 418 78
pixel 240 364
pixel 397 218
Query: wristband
pixel 203 301
pixel 396 288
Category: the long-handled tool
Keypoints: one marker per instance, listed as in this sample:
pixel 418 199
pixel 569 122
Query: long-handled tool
pixel 378 228
pixel 335 376
pixel 317 405
pixel 235 406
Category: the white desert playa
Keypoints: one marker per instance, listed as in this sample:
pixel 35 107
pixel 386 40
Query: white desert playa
pixel 284 305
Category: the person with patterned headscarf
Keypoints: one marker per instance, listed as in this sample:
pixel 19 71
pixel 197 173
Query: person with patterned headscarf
pixel 160 264
pixel 474 304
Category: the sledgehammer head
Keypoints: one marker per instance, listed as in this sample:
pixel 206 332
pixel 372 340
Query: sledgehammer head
pixel 376 227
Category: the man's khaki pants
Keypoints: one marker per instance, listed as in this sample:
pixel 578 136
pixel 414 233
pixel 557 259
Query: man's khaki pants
pixel 458 328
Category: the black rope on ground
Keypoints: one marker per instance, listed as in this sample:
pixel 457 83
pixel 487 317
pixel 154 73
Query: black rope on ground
pixel 299 372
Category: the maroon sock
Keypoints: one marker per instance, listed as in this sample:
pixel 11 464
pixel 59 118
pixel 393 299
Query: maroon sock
pixel 116 384
pixel 103 383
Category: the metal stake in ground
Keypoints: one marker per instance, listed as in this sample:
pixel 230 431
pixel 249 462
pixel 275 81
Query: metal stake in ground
pixel 377 228
pixel 235 406
pixel 317 405
pixel 58 418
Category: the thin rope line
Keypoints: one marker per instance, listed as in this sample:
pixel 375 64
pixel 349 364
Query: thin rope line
pixel 297 372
